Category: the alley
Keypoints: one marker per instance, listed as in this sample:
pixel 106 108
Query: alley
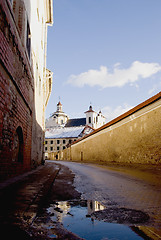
pixel 46 202
pixel 124 187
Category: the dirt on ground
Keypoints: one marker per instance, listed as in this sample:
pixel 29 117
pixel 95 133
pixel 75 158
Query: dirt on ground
pixel 23 203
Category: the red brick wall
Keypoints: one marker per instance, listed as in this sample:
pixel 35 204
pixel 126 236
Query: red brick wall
pixel 16 96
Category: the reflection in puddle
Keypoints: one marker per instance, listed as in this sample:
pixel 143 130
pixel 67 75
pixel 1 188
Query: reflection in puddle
pixel 76 217
pixel 52 236
pixel 94 206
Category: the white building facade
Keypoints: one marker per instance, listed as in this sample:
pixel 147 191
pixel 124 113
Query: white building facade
pixel 94 119
pixel 41 16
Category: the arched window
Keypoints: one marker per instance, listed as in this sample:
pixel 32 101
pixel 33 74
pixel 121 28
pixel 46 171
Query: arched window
pixel 18 146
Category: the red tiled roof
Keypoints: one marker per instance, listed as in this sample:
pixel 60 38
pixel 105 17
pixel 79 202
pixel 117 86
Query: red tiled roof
pixel 89 111
pixel 59 103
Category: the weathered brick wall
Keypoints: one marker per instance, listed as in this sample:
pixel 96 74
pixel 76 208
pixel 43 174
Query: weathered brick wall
pixel 16 97
pixel 135 138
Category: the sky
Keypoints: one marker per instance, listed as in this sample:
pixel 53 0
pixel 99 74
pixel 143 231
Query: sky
pixel 104 52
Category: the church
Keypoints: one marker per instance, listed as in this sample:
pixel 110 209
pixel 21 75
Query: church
pixel 61 131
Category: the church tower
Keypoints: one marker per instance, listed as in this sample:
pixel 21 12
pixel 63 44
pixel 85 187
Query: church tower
pixel 91 117
pixel 59 107
pixel 94 119
pixel 58 118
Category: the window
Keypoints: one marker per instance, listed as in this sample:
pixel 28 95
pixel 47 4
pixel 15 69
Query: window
pixel 89 120
pixel 46 148
pixel 61 121
pixel 36 74
pixel 58 141
pixel 28 40
pixel 51 148
pixel 70 141
pixel 57 148
pixel 40 144
pixel 96 119
pixel 64 141
pixel 39 86
pixel 38 9
pixel 51 142
pixel 63 147
pixel 46 142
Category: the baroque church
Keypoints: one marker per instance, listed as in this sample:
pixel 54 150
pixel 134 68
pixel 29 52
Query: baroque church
pixel 62 131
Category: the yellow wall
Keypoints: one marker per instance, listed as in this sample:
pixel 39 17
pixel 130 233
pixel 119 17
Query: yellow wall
pixel 134 139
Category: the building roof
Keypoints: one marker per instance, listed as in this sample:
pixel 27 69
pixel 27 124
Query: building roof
pixel 75 122
pixel 59 103
pixel 90 109
pixel 59 114
pixel 66 132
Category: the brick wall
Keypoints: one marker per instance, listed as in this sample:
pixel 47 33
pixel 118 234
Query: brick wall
pixel 16 98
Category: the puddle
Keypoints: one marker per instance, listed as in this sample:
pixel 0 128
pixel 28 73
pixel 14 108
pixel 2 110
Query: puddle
pixel 52 236
pixel 77 217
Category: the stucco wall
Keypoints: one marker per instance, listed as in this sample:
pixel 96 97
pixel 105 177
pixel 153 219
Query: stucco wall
pixel 133 139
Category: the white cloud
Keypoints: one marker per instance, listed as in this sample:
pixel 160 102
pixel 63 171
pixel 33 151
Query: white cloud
pixel 110 113
pixel 117 78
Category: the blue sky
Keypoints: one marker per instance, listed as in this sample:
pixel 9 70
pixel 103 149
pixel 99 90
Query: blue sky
pixel 107 52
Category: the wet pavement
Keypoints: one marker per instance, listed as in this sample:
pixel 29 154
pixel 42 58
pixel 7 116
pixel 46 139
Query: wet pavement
pixel 137 188
pixel 82 201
